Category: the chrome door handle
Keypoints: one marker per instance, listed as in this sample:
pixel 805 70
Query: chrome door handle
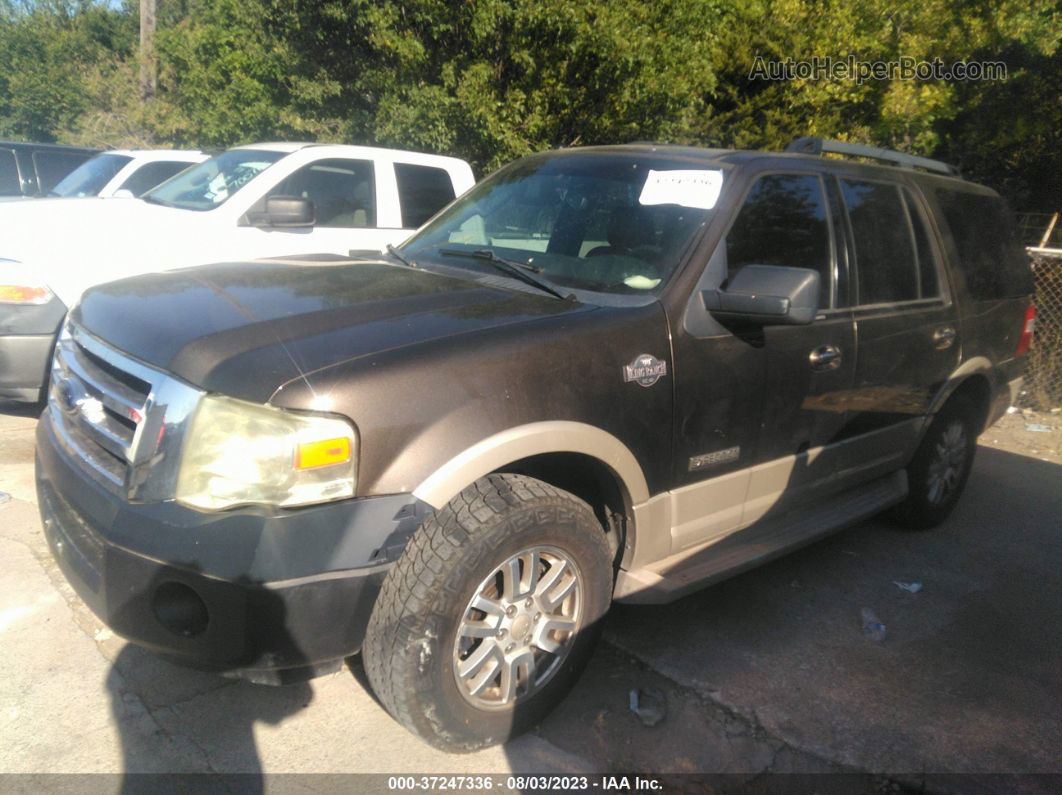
pixel 944 337
pixel 825 357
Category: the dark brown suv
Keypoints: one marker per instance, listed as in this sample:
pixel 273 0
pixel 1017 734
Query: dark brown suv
pixel 605 373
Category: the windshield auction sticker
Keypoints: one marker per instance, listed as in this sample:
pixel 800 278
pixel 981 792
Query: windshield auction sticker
pixel 687 188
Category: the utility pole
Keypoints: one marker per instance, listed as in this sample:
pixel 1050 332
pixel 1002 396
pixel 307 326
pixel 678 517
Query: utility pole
pixel 147 50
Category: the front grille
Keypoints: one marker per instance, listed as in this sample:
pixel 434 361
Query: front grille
pixel 98 407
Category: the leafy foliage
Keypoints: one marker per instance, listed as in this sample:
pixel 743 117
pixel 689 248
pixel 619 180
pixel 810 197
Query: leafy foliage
pixel 490 80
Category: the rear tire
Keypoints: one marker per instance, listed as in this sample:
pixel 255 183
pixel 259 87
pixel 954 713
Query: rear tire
pixel 489 616
pixel 938 472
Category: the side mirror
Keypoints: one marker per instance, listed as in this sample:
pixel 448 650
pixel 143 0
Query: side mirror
pixel 767 295
pixel 123 193
pixel 286 212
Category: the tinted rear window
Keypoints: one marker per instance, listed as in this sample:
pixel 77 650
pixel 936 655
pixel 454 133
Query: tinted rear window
pixel 9 183
pixel 990 255
pixel 422 191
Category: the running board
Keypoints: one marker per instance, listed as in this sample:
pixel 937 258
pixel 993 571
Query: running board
pixel 689 571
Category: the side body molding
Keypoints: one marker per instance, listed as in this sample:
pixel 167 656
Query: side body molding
pixel 524 441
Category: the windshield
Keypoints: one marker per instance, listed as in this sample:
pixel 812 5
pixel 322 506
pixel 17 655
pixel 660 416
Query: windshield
pixel 89 178
pixel 594 221
pixel 212 182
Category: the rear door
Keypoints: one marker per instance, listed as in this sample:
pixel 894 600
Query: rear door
pixel 422 192
pixel 905 320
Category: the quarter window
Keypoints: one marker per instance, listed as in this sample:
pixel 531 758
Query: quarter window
pixel 885 251
pixel 989 252
pixel 343 192
pixel 422 192
pixel 783 222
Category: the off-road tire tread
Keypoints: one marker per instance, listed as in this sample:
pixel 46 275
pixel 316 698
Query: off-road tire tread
pixel 405 609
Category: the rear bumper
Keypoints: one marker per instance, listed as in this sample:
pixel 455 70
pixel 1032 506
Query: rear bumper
pixel 195 610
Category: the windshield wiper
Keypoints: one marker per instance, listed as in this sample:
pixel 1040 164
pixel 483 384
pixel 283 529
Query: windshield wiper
pixel 518 270
pixel 401 257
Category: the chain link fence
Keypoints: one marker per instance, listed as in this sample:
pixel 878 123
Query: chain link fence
pixel 1042 234
pixel 1043 370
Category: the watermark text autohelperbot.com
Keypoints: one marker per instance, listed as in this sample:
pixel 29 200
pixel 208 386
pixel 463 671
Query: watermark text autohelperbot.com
pixel 827 67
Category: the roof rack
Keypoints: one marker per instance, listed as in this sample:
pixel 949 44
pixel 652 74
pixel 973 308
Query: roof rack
pixel 816 146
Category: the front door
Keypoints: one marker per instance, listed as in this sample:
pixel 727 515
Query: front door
pixel 344 195
pixel 758 408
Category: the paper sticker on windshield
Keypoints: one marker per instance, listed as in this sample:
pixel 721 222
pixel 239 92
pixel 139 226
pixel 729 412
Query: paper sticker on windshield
pixel 687 188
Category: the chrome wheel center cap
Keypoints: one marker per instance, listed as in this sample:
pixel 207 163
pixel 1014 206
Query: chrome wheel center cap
pixel 521 626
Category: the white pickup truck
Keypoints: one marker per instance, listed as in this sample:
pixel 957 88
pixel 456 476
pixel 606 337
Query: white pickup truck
pixel 270 199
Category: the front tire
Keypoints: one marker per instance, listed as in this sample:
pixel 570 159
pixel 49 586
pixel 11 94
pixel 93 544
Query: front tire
pixel 489 616
pixel 938 472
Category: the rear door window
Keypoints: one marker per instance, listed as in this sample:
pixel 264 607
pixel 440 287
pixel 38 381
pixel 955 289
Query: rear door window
pixel 886 258
pixel 343 192
pixel 151 174
pixel 422 192
pixel 783 222
pixel 9 181
pixel 51 167
pixel 990 255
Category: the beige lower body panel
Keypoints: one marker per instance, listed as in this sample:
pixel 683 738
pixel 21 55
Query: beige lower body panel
pixel 680 526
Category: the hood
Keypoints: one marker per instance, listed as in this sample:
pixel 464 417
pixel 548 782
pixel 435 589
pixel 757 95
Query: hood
pixel 245 329
pixel 72 244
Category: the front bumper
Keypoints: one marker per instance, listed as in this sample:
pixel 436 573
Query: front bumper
pixel 260 594
pixel 24 365
pixel 27 337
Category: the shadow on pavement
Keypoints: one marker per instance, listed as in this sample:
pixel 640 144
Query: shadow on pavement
pixel 223 737
pixel 971 666
pixel 13 408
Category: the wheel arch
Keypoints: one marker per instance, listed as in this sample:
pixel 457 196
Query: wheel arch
pixel 973 380
pixel 585 460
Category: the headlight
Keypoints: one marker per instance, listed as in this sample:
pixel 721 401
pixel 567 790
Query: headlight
pixel 19 287
pixel 237 453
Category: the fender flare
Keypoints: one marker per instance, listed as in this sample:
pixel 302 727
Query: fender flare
pixel 978 365
pixel 524 441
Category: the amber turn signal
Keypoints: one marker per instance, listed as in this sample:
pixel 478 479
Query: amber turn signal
pixel 21 294
pixel 326 453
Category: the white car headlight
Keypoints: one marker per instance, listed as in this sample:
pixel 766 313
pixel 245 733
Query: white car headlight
pixel 17 286
pixel 238 453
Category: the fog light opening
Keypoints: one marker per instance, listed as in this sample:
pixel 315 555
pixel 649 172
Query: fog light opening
pixel 180 609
